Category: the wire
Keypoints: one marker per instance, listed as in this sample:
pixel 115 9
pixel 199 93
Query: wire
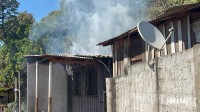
pixel 38 62
pixel 105 67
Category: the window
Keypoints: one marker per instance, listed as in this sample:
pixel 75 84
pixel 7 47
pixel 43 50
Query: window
pixel 77 83
pixel 196 31
pixel 91 82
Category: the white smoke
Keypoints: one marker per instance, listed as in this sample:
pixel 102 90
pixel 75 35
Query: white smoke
pixel 87 23
pixel 99 20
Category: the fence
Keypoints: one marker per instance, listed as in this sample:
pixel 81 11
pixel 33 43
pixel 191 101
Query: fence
pixel 172 87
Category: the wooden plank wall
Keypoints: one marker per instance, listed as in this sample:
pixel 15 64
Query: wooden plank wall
pixel 180 39
pixel 184 32
pixel 121 56
pixel 176 40
pixel 126 54
pixel 195 21
pixel 118 58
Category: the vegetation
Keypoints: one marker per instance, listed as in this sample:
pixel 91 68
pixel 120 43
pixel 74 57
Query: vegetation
pixel 7 17
pixel 21 35
pixel 52 30
pixel 14 42
pixel 158 7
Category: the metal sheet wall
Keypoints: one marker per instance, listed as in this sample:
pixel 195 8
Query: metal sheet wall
pixel 84 103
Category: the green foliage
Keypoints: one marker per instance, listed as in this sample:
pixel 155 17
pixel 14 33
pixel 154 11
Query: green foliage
pixel 18 44
pixel 157 8
pixel 8 13
pixel 10 107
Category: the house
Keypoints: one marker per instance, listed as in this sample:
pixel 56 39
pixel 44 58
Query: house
pixel 129 48
pixel 67 83
pixel 174 84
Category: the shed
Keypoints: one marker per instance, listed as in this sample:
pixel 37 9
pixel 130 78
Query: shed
pixel 129 48
pixel 67 83
pixel 7 96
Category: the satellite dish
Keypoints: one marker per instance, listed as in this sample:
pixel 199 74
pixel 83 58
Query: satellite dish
pixel 151 35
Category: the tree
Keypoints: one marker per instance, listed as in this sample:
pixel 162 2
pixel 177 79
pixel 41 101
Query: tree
pixel 8 13
pixel 158 7
pixel 53 32
pixel 18 44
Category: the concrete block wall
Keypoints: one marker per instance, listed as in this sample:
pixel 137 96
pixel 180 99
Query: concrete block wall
pixel 133 93
pixel 173 87
pixel 177 83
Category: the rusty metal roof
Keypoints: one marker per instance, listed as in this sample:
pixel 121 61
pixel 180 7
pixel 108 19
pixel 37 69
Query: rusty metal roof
pixel 124 35
pixel 69 58
pixel 168 14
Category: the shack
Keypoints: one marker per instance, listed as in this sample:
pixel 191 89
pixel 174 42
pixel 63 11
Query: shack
pixel 6 96
pixel 173 85
pixel 129 48
pixel 67 83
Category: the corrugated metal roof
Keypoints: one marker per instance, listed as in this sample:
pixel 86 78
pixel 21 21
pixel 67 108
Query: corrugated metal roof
pixel 112 40
pixel 168 14
pixel 70 56
pixel 70 59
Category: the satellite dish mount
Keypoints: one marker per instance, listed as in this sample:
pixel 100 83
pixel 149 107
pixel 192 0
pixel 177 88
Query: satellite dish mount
pixel 153 37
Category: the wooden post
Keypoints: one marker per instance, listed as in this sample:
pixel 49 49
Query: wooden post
pixel 180 42
pixel 172 40
pixel 36 88
pixel 152 53
pixel 19 91
pixel 16 86
pixel 188 30
pixel 164 34
pixel 50 88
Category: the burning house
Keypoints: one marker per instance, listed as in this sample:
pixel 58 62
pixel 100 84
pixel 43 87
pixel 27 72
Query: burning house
pixel 67 83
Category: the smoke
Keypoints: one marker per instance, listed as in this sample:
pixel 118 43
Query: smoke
pixel 94 21
pixel 99 20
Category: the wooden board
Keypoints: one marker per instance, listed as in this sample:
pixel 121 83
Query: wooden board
pixel 172 38
pixel 122 56
pixel 184 33
pixel 180 39
pixel 161 28
pixel 167 27
pixel 136 48
pixel 113 57
pixel 126 54
pixel 175 25
pixel 188 32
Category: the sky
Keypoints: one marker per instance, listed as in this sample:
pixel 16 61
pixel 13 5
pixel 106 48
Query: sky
pixel 39 8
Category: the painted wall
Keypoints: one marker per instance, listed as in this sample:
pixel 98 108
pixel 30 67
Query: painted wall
pixel 173 87
pixel 59 87
pixel 63 98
